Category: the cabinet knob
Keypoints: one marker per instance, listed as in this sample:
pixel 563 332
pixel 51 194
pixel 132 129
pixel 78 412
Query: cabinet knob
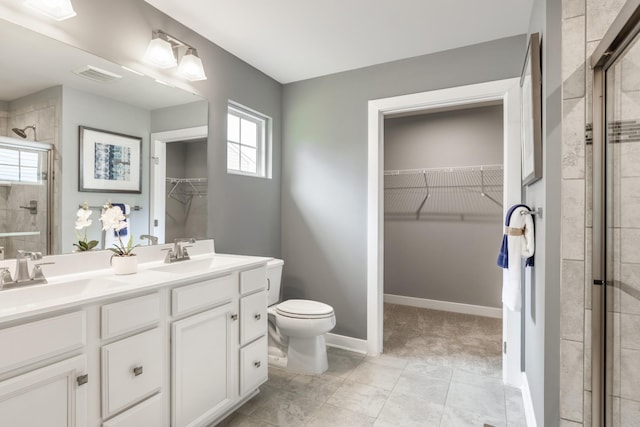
pixel 82 379
pixel 257 364
pixel 257 316
pixel 137 370
pixel 234 317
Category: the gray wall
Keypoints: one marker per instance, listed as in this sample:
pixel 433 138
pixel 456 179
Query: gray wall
pixel 324 175
pixel 85 109
pixel 541 310
pixel 244 213
pixel 423 258
pixel 180 116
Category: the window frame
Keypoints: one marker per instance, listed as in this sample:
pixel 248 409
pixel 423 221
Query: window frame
pixel 263 140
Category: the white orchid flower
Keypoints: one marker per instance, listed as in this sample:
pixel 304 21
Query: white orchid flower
pixel 83 220
pixel 113 218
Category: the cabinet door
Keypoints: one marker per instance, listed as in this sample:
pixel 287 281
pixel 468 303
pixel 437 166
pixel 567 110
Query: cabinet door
pixel 203 370
pixel 48 396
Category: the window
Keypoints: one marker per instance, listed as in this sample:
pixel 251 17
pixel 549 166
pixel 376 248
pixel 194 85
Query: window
pixel 18 165
pixel 247 142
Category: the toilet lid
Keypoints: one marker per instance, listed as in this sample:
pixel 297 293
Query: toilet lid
pixel 302 307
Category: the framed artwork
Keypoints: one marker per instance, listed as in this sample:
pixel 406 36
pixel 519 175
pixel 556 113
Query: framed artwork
pixel 109 162
pixel 530 113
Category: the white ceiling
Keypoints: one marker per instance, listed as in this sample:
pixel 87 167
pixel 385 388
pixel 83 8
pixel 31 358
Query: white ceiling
pixel 293 40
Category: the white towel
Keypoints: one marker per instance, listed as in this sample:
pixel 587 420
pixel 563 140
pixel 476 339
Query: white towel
pixel 519 247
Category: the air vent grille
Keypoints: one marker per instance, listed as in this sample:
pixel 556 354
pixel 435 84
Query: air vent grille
pixel 97 74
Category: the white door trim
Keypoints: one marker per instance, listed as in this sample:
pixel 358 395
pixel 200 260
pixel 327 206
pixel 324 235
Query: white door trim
pixel 506 91
pixel 158 168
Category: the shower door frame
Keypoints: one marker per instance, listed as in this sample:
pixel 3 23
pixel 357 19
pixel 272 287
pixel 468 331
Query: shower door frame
pixel 49 150
pixel 624 29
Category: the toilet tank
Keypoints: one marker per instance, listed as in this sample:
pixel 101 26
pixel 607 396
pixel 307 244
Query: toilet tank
pixel 274 279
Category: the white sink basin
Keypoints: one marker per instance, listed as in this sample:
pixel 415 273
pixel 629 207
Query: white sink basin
pixel 195 266
pixel 34 295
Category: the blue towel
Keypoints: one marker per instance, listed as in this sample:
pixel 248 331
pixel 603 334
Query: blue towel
pixel 503 255
pixel 125 231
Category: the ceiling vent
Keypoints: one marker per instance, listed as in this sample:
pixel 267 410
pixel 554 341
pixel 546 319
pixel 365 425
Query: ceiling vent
pixel 96 74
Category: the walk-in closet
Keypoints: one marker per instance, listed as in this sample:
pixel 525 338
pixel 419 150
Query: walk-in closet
pixel 443 185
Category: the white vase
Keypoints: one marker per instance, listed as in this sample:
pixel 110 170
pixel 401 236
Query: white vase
pixel 124 264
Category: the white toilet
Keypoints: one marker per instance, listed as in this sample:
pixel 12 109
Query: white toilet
pixel 296 328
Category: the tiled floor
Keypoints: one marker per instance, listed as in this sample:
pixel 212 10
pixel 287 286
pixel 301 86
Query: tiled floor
pixel 439 369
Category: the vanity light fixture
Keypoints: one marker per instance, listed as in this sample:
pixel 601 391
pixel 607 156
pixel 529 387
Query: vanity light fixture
pixel 160 51
pixel 191 66
pixel 163 50
pixel 55 9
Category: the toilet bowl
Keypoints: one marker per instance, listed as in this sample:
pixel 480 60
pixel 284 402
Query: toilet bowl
pixel 297 328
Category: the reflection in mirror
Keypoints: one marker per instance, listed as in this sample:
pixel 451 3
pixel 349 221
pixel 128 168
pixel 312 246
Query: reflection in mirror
pixel 46 95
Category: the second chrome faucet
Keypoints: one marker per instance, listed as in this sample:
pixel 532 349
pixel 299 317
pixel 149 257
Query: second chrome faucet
pixel 179 250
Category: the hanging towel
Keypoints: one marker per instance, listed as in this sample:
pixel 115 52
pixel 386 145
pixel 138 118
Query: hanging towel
pixel 518 242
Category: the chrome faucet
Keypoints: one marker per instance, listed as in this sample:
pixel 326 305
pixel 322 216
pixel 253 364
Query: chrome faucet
pixel 152 239
pixel 22 264
pixel 179 251
pixel 23 277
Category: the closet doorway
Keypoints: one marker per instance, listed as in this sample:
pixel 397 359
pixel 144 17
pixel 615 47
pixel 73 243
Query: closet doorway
pixel 179 183
pixel 443 182
pixel 503 93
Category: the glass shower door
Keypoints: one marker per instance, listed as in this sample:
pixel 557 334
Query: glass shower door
pixel 25 191
pixel 622 196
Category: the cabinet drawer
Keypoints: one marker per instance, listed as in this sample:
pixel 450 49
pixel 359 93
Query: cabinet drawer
pixel 253 365
pixel 204 294
pixel 148 413
pixel 127 316
pixel 253 280
pixel 35 341
pixel 132 369
pixel 253 317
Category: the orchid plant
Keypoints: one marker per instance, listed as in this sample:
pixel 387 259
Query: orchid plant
pixel 114 219
pixel 82 223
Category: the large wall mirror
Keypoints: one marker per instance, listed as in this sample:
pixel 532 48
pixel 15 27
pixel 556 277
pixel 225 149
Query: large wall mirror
pixel 49 91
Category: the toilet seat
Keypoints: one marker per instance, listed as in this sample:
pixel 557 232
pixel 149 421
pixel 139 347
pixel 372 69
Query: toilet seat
pixel 304 309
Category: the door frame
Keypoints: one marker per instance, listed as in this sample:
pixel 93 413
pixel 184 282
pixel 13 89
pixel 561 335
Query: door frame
pixel 158 172
pixel 507 91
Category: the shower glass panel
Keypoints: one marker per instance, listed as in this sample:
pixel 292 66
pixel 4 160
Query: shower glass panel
pixel 622 189
pixel 25 190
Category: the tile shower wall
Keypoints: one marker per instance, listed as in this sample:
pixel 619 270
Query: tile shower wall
pixel 584 23
pixel 41 110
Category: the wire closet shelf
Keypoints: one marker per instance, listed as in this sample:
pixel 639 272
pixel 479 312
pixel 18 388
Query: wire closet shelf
pixel 444 192
pixel 185 189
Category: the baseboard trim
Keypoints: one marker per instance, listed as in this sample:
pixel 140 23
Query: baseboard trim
pixel 347 343
pixel 528 402
pixel 455 307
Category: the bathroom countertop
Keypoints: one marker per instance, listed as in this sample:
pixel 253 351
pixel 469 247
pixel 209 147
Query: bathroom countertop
pixel 81 288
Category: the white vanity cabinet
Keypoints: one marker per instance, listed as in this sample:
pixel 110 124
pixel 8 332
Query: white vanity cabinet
pixel 52 394
pixel 185 351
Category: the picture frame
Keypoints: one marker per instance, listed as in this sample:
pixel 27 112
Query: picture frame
pixel 109 162
pixel 530 113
